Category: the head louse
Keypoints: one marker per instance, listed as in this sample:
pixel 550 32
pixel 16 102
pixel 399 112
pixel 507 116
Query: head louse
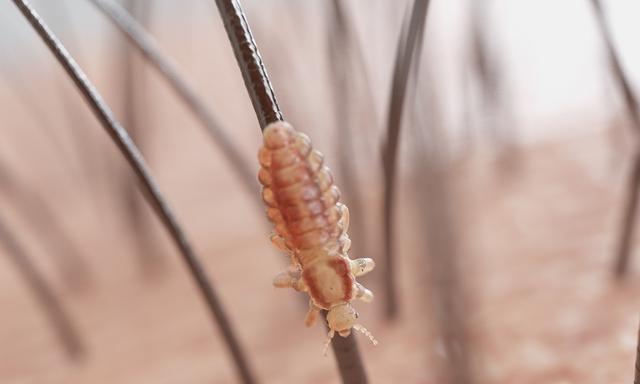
pixel 311 226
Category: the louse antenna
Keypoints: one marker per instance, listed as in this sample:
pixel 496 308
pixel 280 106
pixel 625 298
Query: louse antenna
pixel 325 348
pixel 365 331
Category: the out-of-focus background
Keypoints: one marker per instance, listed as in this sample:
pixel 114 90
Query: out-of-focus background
pixel 514 155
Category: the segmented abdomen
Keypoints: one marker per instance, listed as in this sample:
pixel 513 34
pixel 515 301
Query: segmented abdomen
pixel 298 189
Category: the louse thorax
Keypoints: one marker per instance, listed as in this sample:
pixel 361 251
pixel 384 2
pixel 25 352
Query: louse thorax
pixel 309 256
pixel 329 281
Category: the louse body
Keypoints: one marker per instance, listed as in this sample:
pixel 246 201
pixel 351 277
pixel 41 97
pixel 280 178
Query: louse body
pixel 311 226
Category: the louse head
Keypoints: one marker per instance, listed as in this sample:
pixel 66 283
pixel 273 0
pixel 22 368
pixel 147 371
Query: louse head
pixel 341 319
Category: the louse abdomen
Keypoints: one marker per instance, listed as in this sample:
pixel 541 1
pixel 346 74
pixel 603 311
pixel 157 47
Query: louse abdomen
pixel 299 191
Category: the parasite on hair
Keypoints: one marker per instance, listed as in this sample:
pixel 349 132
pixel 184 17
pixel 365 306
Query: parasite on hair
pixel 311 227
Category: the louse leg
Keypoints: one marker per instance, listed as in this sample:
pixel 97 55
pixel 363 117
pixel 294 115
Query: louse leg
pixel 362 293
pixel 290 278
pixel 362 266
pixel 312 315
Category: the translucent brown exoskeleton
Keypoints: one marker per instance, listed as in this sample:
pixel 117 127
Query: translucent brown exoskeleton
pixel 311 226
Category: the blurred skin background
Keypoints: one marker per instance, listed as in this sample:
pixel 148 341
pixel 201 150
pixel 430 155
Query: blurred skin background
pixel 515 151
